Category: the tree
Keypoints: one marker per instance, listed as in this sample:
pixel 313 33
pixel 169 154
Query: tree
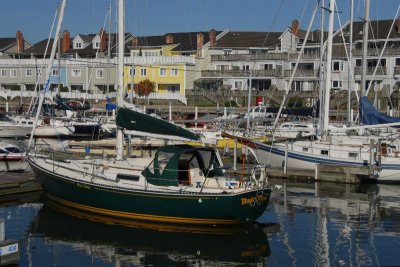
pixel 145 87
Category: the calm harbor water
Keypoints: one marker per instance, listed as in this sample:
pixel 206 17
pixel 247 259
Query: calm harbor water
pixel 304 225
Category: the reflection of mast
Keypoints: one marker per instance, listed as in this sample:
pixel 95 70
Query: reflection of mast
pixel 321 236
pixel 285 235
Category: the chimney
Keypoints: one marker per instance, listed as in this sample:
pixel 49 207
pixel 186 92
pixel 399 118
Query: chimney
pixel 398 25
pixel 200 42
pixel 66 41
pixel 169 38
pixel 135 41
pixel 295 27
pixel 20 42
pixel 213 37
pixel 103 40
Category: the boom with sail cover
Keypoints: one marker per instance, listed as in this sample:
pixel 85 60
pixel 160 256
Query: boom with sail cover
pixel 370 116
pixel 139 122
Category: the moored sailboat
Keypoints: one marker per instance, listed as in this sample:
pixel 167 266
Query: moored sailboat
pixel 180 184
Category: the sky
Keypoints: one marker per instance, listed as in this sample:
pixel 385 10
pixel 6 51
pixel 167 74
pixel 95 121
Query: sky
pixel 158 17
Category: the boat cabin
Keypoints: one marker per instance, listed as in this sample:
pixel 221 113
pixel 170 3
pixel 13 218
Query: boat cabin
pixel 183 165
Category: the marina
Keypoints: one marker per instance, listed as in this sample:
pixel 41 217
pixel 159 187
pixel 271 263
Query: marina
pixel 208 148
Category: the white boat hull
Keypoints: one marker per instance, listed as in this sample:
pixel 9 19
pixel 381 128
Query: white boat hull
pixel 13 163
pixel 53 131
pixel 275 156
pixel 7 131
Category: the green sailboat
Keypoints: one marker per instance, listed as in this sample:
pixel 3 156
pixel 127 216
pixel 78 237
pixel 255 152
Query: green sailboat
pixel 180 184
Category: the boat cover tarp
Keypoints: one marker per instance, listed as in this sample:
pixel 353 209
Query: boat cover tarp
pixel 370 116
pixel 311 112
pixel 136 121
pixel 172 163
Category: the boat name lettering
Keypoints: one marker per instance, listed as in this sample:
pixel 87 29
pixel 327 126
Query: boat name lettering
pixel 82 186
pixel 254 200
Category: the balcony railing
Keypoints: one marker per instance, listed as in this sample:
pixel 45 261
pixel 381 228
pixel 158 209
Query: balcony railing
pixel 370 71
pixel 250 57
pixel 377 52
pixel 242 73
pixel 302 73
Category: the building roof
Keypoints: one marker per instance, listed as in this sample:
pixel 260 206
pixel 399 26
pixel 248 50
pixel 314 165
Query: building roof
pixel 7 42
pixel 235 39
pixel 184 41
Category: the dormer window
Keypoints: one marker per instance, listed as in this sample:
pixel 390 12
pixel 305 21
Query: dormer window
pixel 78 45
pixel 96 45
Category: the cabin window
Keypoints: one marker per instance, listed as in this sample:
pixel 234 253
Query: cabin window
pixel 3 151
pixel 305 149
pixel 128 177
pixel 13 150
pixel 163 159
pixel 353 155
pixel 324 152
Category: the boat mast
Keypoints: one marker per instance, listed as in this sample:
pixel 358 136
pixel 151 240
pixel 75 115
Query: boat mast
pixel 350 78
pixel 365 50
pixel 46 85
pixel 321 70
pixel 121 42
pixel 328 68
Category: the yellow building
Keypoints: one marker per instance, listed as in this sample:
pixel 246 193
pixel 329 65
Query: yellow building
pixel 166 60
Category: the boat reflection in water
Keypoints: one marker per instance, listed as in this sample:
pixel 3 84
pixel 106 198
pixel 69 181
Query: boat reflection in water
pixel 326 224
pixel 121 241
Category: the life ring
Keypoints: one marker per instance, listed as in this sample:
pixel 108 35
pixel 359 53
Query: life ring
pixel 308 104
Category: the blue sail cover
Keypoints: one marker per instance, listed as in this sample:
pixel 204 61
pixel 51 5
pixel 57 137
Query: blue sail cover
pixel 370 116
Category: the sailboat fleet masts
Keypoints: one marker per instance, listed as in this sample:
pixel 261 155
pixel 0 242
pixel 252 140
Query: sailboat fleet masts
pixel 49 65
pixel 350 79
pixel 289 85
pixel 365 49
pixel 328 68
pixel 121 42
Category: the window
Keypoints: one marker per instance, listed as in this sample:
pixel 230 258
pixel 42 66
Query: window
pixel 222 67
pixel 38 72
pixel 174 72
pixel 337 84
pixel 324 152
pixel 13 73
pixel 246 67
pixel 96 44
pixel 78 45
pixel 99 73
pixel 76 73
pixel 143 72
pixel 337 65
pixel 353 155
pixel 398 61
pixel 358 62
pixel 54 72
pixel 3 73
pixel 238 84
pixel 29 73
pixel 163 72
pixel 130 72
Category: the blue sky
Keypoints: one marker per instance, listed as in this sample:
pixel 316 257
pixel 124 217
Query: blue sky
pixel 157 17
